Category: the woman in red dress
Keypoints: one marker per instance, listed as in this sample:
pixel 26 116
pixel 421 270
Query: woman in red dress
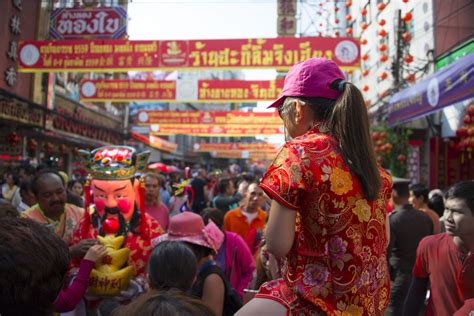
pixel 328 218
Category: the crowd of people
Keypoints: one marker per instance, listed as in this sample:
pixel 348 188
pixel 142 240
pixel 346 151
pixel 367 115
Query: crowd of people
pixel 324 231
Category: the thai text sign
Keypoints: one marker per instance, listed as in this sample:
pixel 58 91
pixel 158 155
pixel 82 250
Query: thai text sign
pixel 214 130
pixel 19 111
pixel 452 84
pixel 121 55
pixel 167 91
pixel 88 23
pixel 224 147
pixel 210 118
pixel 237 154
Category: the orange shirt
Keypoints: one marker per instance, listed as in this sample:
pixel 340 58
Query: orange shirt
pixel 235 221
pixel 434 218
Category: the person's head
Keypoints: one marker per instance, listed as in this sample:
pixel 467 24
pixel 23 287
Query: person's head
pixel 165 303
pixel 112 197
pixel 315 93
pixel 242 187
pixel 214 215
pixel 418 195
pixel 75 186
pixel 459 210
pixel 436 203
pixel 202 173
pixel 226 186
pixel 7 210
pixel 254 198
pixel 171 265
pixel 33 266
pixel 48 188
pixel 11 179
pixel 152 188
pixel 189 228
pixel 26 193
pixel 400 192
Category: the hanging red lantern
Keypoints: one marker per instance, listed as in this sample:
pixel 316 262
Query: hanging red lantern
pixel 348 3
pixel 62 149
pixel 410 77
pixel 470 109
pixel 336 21
pixel 383 58
pixel 364 26
pixel 365 72
pixel 348 17
pixel 461 132
pixel 363 12
pixel 363 41
pixel 467 119
pixel 382 47
pixel 383 76
pixel 405 1
pixel 408 58
pixel 48 147
pixel 349 72
pixel 365 57
pixel 382 22
pixel 382 33
pixel 375 135
pixel 470 131
pixel 406 37
pixel 13 139
pixel 336 34
pixel 365 88
pixel 32 144
pixel 381 6
pixel 349 30
pixel 336 9
pixel 401 158
pixel 407 17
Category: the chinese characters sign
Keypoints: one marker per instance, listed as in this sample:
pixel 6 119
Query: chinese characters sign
pixel 286 22
pixel 226 147
pixel 214 130
pixel 77 23
pixel 212 118
pixel 122 55
pixel 167 91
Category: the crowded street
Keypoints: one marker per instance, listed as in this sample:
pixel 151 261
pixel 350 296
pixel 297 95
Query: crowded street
pixel 237 157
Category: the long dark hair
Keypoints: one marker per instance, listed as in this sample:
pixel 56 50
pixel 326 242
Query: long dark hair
pixel 348 121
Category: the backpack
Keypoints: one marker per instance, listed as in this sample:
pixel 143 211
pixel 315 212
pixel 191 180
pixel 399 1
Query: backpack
pixel 232 301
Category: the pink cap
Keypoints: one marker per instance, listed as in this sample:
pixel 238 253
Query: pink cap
pixel 311 78
pixel 189 227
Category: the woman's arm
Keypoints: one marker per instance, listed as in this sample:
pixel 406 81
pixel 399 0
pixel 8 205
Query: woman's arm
pixel 280 230
pixel 213 293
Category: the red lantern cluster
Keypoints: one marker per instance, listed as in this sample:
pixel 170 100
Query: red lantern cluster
pixel 363 12
pixel 406 37
pixel 13 139
pixel 410 78
pixel 348 3
pixel 32 145
pixel 363 41
pixel 381 6
pixel 382 47
pixel 382 33
pixel 348 17
pixel 349 30
pixel 407 17
pixel 381 147
pixel 382 22
pixel 48 147
pixel 383 58
pixel 408 58
pixel 364 26
pixel 383 76
pixel 466 132
pixel 62 149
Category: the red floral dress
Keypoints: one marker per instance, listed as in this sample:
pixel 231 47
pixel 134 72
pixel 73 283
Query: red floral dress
pixel 337 264
pixel 139 245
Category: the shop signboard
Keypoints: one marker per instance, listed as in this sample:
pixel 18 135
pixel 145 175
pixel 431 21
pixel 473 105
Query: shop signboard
pixel 218 91
pixel 225 147
pixel 452 84
pixel 228 118
pixel 88 23
pixel 214 130
pixel 122 55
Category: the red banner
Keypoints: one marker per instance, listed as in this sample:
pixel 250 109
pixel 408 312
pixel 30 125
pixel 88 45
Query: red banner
pixel 214 130
pixel 155 142
pixel 88 23
pixel 210 118
pixel 237 154
pixel 120 55
pixel 223 147
pixel 166 91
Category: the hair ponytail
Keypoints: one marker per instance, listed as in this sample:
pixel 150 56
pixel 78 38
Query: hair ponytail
pixel 349 122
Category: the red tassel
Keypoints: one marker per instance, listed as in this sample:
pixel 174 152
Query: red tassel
pixel 87 202
pixel 141 207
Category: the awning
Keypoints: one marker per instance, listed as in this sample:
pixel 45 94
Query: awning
pixel 450 85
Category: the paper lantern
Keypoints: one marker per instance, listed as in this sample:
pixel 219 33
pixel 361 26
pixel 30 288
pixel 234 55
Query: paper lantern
pixel 365 72
pixel 407 17
pixel 461 132
pixel 382 22
pixel 365 88
pixel 408 58
pixel 406 37
pixel 348 3
pixel 410 78
pixel 336 21
pixel 348 17
pixel 401 158
pixel 336 9
pixel 363 41
pixel 383 58
pixel 364 26
pixel 381 6
pixel 349 30
pixel 382 47
pixel 363 12
pixel 365 57
pixel 470 109
pixel 382 33
pixel 336 34
pixel 467 119
pixel 405 1
pixel 383 76
pixel 349 72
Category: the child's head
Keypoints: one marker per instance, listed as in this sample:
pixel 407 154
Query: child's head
pixel 171 265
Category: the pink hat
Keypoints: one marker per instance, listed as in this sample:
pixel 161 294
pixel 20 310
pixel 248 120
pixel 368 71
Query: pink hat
pixel 189 227
pixel 311 78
